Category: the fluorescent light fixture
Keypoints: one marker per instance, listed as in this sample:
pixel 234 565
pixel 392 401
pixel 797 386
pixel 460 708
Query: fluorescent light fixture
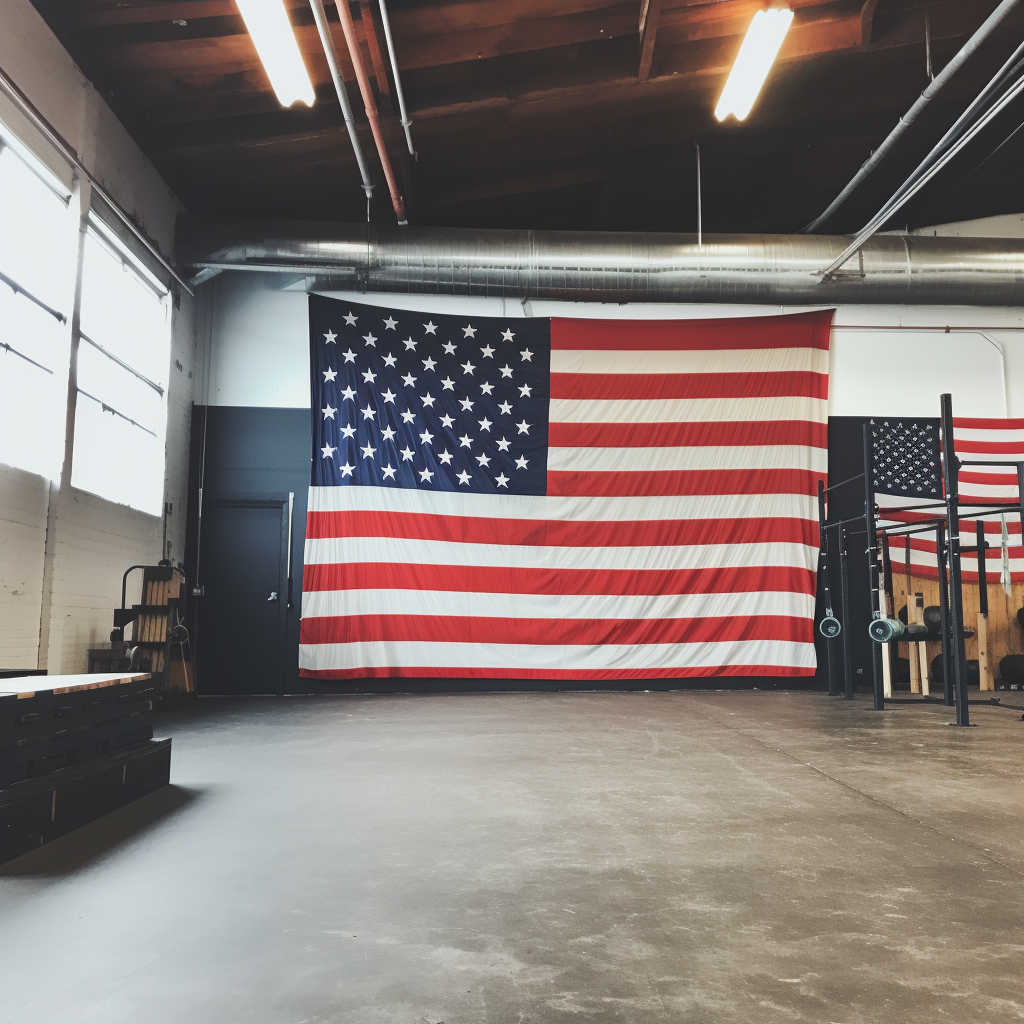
pixel 757 54
pixel 272 35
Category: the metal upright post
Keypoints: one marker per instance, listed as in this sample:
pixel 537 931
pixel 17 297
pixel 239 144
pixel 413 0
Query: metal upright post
pixel 951 486
pixel 891 649
pixel 826 582
pixel 947 650
pixel 872 553
pixel 845 596
pixel 981 632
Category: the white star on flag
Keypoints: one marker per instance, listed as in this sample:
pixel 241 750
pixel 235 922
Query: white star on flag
pixel 521 462
pixel 526 356
pixel 428 363
pixel 484 460
pixel 449 348
pixel 469 331
pixel 427 399
pixel 406 453
pixel 447 421
pixel 524 427
pixel 346 470
pixel 409 344
pixel 389 396
pixel 369 376
pixel 487 352
pixel 426 437
pixel 348 430
pixel 426 475
pixel 388 433
pixel 463 478
pixel 350 319
pixel 370 340
pixel 506 370
pixel 445 457
pixel 368 412
pixel 506 408
pixel 507 335
pixel 328 451
pixel 367 451
pixel 466 440
pixel 348 393
pixel 409 380
pixel 447 384
pixel 390 360
pixel 502 480
pixel 388 471
pixel 485 388
pixel 329 375
pixel 485 424
pixel 329 337
pixel 468 367
pixel 408 416
pixel 350 356
pixel 503 445
pixel 328 413
pixel 430 328
pixel 390 324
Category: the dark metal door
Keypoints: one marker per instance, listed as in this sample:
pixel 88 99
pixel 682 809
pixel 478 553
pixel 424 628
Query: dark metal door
pixel 240 617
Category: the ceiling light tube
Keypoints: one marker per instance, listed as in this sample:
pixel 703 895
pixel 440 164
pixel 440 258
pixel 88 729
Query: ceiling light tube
pixel 757 54
pixel 272 35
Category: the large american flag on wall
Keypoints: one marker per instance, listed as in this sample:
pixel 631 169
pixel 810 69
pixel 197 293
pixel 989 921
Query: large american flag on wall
pixel 562 499
pixel 908 472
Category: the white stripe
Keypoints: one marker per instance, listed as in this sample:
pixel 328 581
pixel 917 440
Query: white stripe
pixel 763 360
pixel 649 460
pixel 325 603
pixel 381 654
pixel 687 410
pixel 990 434
pixel 567 510
pixel 335 550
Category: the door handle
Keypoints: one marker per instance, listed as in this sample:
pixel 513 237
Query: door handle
pixel 273 596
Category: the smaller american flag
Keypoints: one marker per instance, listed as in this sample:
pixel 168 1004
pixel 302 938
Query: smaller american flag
pixel 908 471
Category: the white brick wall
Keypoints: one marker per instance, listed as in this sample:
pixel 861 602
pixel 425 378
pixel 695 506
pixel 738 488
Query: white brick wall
pixel 50 618
pixel 23 504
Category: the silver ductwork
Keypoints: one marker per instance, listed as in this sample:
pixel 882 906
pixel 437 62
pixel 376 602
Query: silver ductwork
pixel 612 266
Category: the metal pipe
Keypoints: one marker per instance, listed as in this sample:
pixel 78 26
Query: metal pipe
pixel 871 551
pixel 348 27
pixel 924 172
pixel 612 266
pixel 972 44
pixel 406 120
pixel 322 26
pixel 66 150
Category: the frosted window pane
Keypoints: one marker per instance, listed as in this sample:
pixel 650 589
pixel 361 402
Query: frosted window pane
pixel 116 460
pixel 37 235
pixel 33 403
pixel 119 460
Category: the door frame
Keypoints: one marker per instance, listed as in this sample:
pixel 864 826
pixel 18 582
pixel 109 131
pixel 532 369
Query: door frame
pixel 280 502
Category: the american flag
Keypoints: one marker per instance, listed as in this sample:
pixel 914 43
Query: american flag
pixel 908 472
pixel 562 499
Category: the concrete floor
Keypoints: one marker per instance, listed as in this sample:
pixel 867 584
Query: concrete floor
pixel 684 857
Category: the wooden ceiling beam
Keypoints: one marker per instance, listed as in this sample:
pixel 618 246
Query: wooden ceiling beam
pixel 650 16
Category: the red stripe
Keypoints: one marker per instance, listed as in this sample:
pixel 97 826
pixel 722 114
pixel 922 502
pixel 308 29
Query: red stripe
pixel 1014 448
pixel 509 580
pixel 677 435
pixel 459 672
pixel 996 477
pixel 651 386
pixel 976 423
pixel 793 330
pixel 468 629
pixel 682 482
pixel 555 533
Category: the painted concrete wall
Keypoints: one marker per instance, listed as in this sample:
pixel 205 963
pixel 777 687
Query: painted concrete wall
pixel 256 347
pixel 62 551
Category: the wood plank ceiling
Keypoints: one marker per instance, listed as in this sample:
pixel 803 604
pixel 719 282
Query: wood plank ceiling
pixel 577 114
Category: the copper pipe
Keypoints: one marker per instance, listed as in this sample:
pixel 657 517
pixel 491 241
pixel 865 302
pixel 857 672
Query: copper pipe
pixel 371 107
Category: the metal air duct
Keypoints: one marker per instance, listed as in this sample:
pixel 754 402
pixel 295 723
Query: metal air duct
pixel 613 266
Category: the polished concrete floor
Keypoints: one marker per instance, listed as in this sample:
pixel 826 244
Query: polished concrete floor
pixel 481 859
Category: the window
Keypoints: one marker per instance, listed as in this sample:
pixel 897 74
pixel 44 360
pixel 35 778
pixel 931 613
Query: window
pixel 123 363
pixel 37 265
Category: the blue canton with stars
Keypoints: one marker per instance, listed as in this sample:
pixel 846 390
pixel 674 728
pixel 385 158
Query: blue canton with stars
pixel 436 403
pixel 907 457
